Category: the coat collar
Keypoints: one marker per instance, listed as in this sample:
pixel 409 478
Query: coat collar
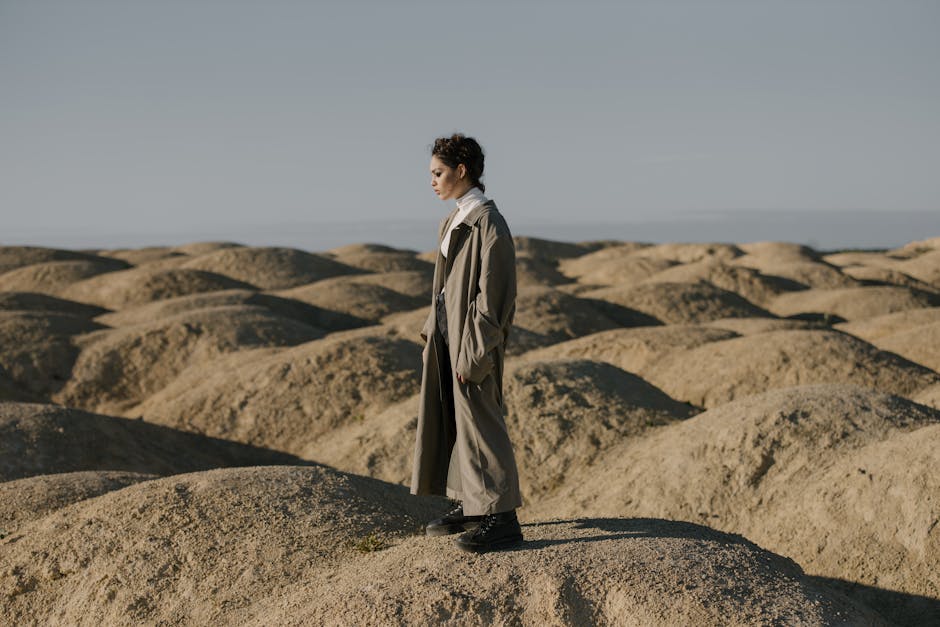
pixel 478 211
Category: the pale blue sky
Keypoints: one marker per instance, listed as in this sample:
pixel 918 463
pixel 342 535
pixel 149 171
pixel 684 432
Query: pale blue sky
pixel 138 122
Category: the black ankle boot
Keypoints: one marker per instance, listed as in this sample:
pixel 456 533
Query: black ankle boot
pixel 453 521
pixel 496 531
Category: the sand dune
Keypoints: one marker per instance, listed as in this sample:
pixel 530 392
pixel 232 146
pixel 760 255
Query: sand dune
pixel 40 439
pixel 550 316
pixel 118 369
pixel 195 548
pixel 37 349
pixel 367 301
pixel 32 498
pixel 564 413
pixel 156 551
pixel 746 282
pixel 378 258
pixel 54 276
pixel 718 372
pixel 31 301
pixel 852 303
pixel 287 399
pixel 613 265
pixel 633 350
pixel 643 382
pixel 138 286
pixel 679 303
pixel 13 257
pixel 811 274
pixel 838 478
pixel 270 268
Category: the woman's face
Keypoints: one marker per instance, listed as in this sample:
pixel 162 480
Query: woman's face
pixel 448 183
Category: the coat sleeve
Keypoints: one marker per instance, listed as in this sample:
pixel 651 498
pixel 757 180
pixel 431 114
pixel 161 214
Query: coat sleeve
pixel 491 311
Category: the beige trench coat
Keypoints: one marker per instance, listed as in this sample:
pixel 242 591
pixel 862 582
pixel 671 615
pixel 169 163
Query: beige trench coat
pixel 462 447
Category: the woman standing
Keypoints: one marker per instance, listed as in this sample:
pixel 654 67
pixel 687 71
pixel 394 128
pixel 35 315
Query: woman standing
pixel 462 448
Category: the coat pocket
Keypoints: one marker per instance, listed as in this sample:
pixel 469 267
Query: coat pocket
pixel 474 359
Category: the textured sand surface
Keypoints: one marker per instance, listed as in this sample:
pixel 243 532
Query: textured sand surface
pixel 706 434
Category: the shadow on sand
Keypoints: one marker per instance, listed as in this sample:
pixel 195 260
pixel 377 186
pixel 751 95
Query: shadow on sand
pixel 896 607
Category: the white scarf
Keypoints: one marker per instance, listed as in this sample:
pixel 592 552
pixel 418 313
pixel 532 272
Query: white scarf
pixel 465 204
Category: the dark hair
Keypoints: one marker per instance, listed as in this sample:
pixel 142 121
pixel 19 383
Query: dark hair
pixel 457 149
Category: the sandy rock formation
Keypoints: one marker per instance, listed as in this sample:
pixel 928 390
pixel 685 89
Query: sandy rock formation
pixel 32 498
pixel 288 398
pixel 746 282
pixel 679 303
pixel 38 349
pixel 633 350
pixel 270 268
pixel 13 257
pixel 138 286
pixel 363 300
pixel 713 374
pixel 31 301
pixel 54 277
pixel 853 303
pixel 300 546
pixel 118 369
pixel 41 439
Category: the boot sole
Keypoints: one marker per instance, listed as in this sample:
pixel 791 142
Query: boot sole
pixel 505 543
pixel 447 530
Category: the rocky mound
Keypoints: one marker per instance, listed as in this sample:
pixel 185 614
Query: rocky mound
pixel 302 540
pixel 38 439
pixel 563 413
pixel 924 267
pixel 377 258
pixel 710 375
pixel 137 286
pixel 692 252
pixel 860 258
pixel 196 249
pixel 415 283
pixel 546 316
pixel 31 301
pixel 37 349
pixel 617 265
pixel 119 368
pixel 874 512
pixel 852 303
pixel 751 326
pixel 535 271
pixel 871 329
pixel 270 268
pixel 31 498
pixel 920 344
pixel 746 282
pixel 885 276
pixel 362 300
pixel 552 250
pixel 632 350
pixel 929 396
pixel 141 256
pixel 199 547
pixel 55 276
pixel 284 307
pixel 13 257
pixel 810 274
pixel 679 303
pixel 583 571
pixel 779 252
pixel 288 399
pixel 832 476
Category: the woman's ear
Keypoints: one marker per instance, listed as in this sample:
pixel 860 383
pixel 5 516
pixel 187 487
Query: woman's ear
pixel 461 170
